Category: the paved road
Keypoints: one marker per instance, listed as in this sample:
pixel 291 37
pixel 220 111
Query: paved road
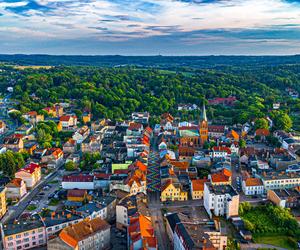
pixel 256 246
pixel 17 210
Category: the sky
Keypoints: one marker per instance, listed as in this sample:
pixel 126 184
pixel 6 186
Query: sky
pixel 150 27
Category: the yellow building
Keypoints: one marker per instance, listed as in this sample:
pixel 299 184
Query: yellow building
pixel 59 126
pixel 77 195
pixel 3 207
pixel 197 188
pixel 173 191
pixel 86 117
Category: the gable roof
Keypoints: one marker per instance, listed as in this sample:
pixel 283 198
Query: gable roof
pixel 262 132
pixel 253 182
pixel 72 234
pixel 198 185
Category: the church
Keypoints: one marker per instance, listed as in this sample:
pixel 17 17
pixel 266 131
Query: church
pixel 194 136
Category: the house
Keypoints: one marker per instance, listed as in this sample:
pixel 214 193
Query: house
pixel 140 117
pixel 81 134
pixel 140 234
pixel 173 191
pixel 26 234
pixel 197 188
pixel 88 234
pixel 187 107
pixel 86 117
pixel 136 182
pixel 221 200
pixel 220 152
pixel 94 209
pixel 187 233
pixel 2 127
pixel 262 133
pixel 77 195
pixel 56 221
pixel 78 181
pixel 55 111
pixel 285 198
pixel 30 174
pixel 135 129
pixel 227 101
pixel 68 121
pixel 233 135
pixel 280 180
pixel 3 207
pixel 253 186
pixel 131 206
pixel 234 148
pixel 92 144
pixel 14 143
pixel 25 129
pixel 54 157
pixel 16 189
pixel 30 147
pixel 33 117
pixel 70 146
pixel 222 177
pixel 216 131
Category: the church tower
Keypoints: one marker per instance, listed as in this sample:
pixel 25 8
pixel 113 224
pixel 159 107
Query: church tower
pixel 203 126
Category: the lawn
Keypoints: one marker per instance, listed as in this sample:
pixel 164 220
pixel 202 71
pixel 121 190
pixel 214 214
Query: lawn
pixel 275 240
pixel 53 202
pixel 31 207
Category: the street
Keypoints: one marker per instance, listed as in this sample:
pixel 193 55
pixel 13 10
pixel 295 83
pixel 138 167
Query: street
pixel 14 212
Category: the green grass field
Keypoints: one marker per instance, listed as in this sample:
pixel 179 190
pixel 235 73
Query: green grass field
pixel 275 240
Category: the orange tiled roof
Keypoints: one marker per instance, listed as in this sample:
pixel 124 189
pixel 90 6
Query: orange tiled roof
pixel 253 182
pixel 219 148
pixel 180 164
pixel 141 166
pixel 82 230
pixel 262 132
pixel 198 185
pixel 233 134
pixel 16 182
pixel 226 172
pixel 219 177
pixel 135 126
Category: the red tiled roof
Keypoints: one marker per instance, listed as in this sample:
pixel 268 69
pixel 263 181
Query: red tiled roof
pixel 78 178
pixel 30 168
pixel 253 182
pixel 222 149
pixel 66 118
pixel 76 193
pixel 219 177
pixel 135 126
pixel 216 128
pixel 198 185
pixel 262 132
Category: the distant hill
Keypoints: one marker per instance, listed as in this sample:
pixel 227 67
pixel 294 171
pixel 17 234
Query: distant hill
pixel 150 61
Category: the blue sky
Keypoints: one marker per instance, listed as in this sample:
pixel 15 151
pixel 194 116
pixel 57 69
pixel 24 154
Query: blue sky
pixel 150 27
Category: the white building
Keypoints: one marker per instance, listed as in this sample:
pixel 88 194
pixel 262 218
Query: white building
pixel 221 200
pixel 78 182
pixel 253 186
pixel 280 180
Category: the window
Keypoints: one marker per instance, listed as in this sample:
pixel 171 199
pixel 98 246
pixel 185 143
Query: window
pixel 18 236
pixel 33 243
pixel 10 237
pixel 18 242
pixel 41 236
pixel 10 244
pixel 26 240
pixel 41 242
pixel 26 234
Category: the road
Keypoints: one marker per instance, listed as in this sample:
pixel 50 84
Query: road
pixel 257 246
pixel 15 211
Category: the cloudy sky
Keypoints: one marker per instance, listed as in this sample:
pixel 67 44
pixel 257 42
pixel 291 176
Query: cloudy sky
pixel 150 27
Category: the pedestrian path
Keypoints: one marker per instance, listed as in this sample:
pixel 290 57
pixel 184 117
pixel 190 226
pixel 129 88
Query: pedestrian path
pixel 153 175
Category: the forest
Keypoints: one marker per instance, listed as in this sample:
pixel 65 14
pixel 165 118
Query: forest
pixel 116 92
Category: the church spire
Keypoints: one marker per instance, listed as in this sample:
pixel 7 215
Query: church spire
pixel 204 117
